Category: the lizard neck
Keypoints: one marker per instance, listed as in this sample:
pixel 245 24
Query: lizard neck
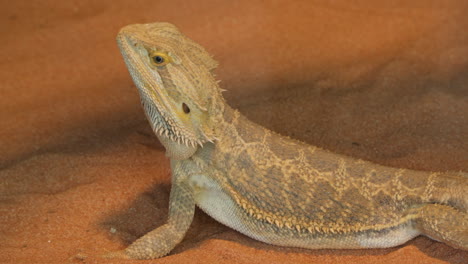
pixel 231 122
pixel 236 130
pixel 236 133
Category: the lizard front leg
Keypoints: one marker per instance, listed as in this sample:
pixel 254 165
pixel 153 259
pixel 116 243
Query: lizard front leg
pixel 163 239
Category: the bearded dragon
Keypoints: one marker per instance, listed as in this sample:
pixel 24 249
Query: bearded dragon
pixel 264 185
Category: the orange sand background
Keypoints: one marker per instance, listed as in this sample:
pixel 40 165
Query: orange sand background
pixel 383 82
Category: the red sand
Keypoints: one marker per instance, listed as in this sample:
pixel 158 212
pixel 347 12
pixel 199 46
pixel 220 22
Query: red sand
pixel 387 83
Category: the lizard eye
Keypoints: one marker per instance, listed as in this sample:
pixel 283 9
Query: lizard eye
pixel 185 108
pixel 159 58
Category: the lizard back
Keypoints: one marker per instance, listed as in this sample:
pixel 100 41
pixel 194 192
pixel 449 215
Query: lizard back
pixel 304 191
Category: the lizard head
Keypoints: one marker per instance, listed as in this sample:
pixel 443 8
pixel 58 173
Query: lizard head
pixel 177 87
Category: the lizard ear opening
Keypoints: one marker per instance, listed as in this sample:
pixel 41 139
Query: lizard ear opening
pixel 185 108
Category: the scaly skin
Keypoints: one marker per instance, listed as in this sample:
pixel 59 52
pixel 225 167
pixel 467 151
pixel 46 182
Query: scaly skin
pixel 269 187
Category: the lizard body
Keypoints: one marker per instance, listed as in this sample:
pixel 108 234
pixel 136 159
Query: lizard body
pixel 269 187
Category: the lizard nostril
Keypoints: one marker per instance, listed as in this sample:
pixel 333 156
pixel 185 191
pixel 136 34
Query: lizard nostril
pixel 185 108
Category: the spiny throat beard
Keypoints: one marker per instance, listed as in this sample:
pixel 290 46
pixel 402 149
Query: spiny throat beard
pixel 164 126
